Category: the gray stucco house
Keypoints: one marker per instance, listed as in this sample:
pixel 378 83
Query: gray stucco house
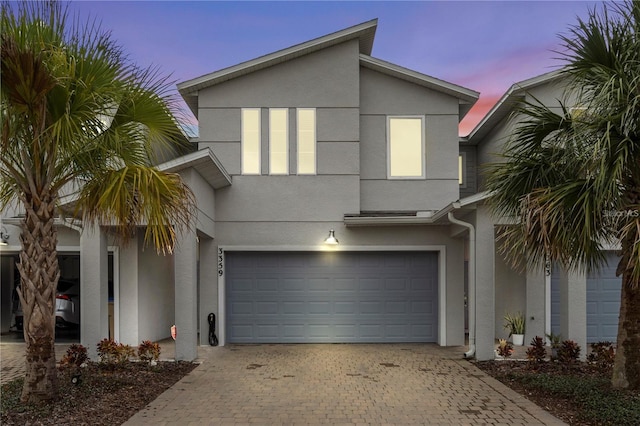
pixel 314 141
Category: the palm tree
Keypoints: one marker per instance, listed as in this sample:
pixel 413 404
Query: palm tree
pixel 79 120
pixel 572 177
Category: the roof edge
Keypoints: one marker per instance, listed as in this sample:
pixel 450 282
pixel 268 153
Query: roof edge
pixel 462 93
pixel 365 31
pixel 498 111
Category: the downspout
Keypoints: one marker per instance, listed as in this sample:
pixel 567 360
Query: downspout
pixel 471 297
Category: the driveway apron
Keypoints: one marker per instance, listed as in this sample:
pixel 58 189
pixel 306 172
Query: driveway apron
pixel 339 384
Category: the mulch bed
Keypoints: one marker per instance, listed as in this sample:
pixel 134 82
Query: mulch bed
pixel 105 395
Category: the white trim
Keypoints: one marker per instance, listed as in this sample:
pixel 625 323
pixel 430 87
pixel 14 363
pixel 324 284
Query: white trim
pixel 422 142
pixel 442 277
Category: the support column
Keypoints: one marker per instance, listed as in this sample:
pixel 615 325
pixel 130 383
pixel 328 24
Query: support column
pixel 485 285
pixel 208 287
pixel 94 290
pixel 186 295
pixel 129 292
pixel 573 309
pixel 536 304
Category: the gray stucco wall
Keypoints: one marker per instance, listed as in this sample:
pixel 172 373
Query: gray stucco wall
pixel 155 294
pixel 381 96
pixel 470 174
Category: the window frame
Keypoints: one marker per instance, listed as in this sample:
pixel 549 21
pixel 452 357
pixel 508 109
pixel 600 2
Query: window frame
pixel 422 147
pixel 315 142
pixel 243 139
pixel 286 138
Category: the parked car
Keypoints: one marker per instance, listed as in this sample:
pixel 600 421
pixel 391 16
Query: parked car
pixel 67 306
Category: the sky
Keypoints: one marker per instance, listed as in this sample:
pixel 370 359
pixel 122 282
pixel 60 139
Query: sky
pixel 485 46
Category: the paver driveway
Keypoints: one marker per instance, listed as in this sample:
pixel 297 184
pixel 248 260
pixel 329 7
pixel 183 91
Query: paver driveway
pixel 338 384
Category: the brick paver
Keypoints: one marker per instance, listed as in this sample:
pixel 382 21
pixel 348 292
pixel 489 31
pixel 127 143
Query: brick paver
pixel 326 384
pixel 339 384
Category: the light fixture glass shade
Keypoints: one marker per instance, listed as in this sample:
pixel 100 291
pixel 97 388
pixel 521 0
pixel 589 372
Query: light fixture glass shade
pixel 331 239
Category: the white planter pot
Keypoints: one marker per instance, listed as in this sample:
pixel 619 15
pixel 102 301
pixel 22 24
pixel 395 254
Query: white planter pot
pixel 517 339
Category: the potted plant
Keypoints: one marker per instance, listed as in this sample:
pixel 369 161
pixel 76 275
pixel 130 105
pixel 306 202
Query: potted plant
pixel 515 324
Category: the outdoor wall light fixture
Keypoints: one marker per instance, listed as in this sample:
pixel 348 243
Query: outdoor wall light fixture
pixel 4 236
pixel 331 239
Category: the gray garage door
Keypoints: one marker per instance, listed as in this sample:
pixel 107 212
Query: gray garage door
pixel 296 297
pixel 603 302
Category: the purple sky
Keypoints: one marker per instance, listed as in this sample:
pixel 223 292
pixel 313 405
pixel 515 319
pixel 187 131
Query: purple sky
pixel 482 45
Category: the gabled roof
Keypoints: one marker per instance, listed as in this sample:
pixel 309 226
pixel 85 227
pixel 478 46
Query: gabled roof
pixel 363 32
pixel 506 104
pixel 466 97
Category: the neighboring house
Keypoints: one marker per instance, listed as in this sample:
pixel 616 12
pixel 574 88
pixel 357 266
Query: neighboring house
pixel 580 307
pixel 316 140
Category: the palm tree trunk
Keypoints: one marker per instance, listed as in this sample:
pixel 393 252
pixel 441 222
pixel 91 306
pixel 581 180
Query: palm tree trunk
pixel 626 369
pixel 39 273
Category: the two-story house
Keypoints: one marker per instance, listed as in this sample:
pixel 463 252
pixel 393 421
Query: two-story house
pixel 335 202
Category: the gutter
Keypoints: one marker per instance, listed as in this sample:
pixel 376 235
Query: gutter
pixel 471 298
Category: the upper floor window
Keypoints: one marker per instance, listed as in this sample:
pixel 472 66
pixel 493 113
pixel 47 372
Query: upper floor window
pixel 405 147
pixel 251 141
pixel 306 141
pixel 461 168
pixel 278 141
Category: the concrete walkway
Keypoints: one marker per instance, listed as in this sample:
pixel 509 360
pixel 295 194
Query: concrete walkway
pixel 339 384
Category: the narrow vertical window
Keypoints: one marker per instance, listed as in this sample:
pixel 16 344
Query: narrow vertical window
pixel 306 141
pixel 405 137
pixel 251 141
pixel 278 142
pixel 460 169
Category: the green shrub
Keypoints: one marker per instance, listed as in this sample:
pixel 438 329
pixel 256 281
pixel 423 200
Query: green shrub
pixel 598 402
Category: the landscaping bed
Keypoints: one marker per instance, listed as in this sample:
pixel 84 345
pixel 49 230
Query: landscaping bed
pixel 106 394
pixel 579 394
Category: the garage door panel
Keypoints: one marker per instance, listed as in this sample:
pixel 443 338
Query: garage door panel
pixel 266 308
pixel 322 331
pixel 370 284
pixel 293 331
pixel 346 332
pixel 360 297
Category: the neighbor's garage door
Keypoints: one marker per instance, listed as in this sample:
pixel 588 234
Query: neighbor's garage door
pixel 603 302
pixel 297 297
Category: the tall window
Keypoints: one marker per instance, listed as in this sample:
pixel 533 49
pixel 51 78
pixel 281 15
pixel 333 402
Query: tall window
pixel 278 142
pixel 405 147
pixel 306 141
pixel 461 169
pixel 251 141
